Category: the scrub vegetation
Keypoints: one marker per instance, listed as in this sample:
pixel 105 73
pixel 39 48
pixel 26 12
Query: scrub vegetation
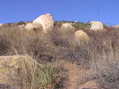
pixel 56 61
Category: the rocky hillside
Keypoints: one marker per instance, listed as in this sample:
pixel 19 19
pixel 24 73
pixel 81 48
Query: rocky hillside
pixel 48 54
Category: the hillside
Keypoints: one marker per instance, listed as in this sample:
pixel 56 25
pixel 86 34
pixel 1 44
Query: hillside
pixel 64 57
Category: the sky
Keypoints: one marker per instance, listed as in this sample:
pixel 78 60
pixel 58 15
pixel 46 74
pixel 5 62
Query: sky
pixel 106 11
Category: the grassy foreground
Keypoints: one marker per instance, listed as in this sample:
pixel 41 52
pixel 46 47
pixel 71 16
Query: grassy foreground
pixel 32 60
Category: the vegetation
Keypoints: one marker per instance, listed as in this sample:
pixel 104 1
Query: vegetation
pixel 58 62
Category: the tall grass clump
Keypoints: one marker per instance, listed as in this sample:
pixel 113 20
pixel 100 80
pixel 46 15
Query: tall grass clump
pixel 105 58
pixel 25 73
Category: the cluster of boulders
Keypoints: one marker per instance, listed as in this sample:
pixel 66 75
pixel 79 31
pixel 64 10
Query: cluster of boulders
pixel 45 24
pixel 46 21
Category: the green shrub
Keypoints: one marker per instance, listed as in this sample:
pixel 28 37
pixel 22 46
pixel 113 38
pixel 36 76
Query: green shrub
pixel 45 77
pixel 79 25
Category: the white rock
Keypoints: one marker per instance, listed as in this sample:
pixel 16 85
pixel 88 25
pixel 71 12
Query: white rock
pixel 46 21
pixel 96 25
pixel 81 36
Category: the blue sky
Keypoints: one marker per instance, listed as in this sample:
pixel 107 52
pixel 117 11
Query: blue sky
pixel 106 11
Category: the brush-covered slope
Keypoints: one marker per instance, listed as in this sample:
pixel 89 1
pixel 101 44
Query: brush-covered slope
pixel 68 56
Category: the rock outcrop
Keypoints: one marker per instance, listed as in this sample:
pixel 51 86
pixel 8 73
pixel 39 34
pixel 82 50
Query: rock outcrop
pixel 46 21
pixel 81 37
pixel 96 25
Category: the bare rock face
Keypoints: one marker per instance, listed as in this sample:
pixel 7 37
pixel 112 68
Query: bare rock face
pixel 81 37
pixel 46 21
pixel 96 25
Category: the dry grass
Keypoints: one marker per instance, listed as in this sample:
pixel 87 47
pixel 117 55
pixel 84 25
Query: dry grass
pixel 22 72
pixel 95 61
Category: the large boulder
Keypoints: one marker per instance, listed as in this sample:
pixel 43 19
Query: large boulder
pixel 81 37
pixel 96 25
pixel 46 21
pixel 67 28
